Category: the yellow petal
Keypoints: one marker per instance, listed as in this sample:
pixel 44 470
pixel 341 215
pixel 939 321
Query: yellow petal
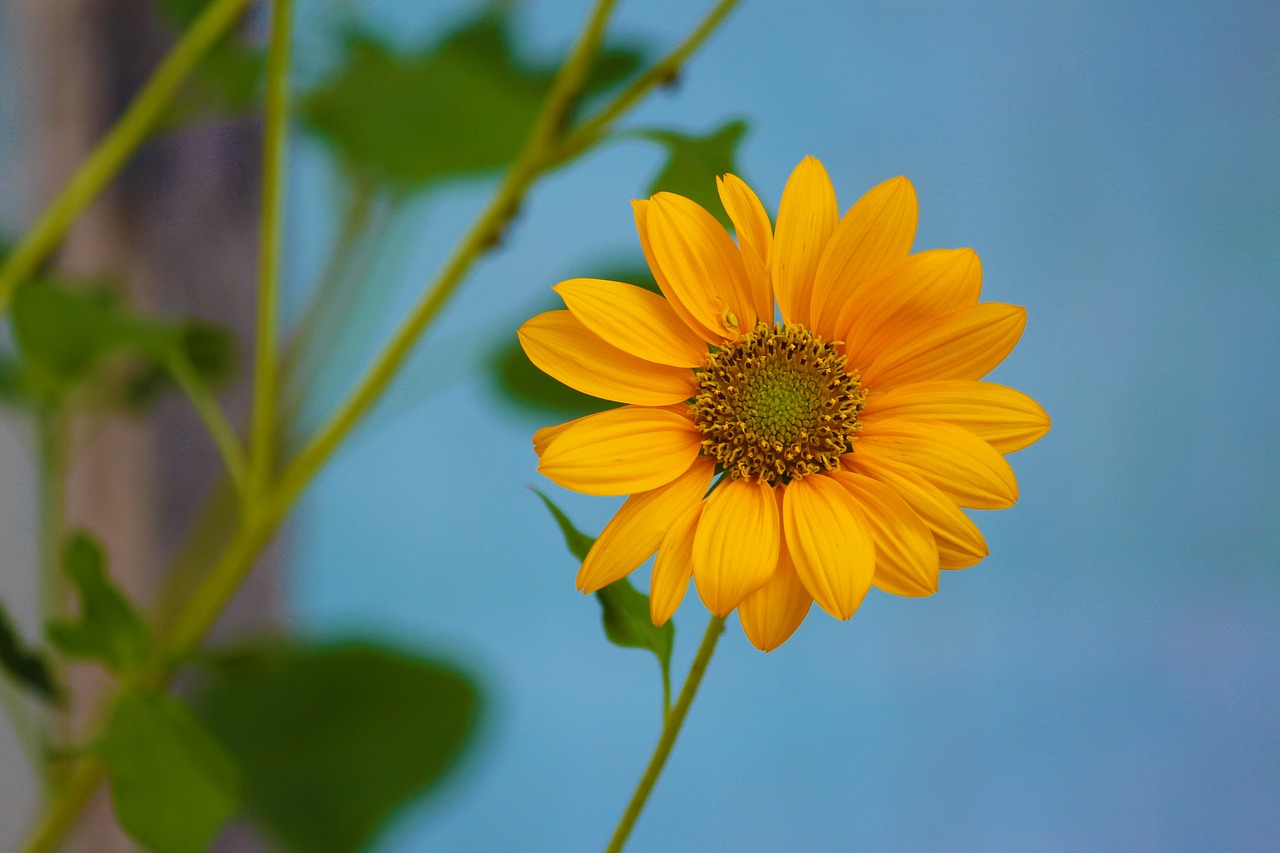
pixel 830 542
pixel 641 210
pixel 807 217
pixel 636 530
pixel 543 437
pixel 874 235
pixel 963 466
pixel 964 344
pixel 755 240
pixel 747 214
pixel 736 546
pixel 771 614
pixel 674 566
pixel 960 542
pixel 906 555
pixel 702 264
pixel 634 320
pixel 925 286
pixel 621 451
pixel 562 347
pixel 1006 419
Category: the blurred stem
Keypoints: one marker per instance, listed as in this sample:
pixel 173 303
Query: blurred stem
pixel 670 729
pixel 111 153
pixel 542 151
pixel 662 73
pixel 266 368
pixel 214 419
pixel 53 439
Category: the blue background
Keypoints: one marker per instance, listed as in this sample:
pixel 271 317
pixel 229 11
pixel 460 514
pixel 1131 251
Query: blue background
pixel 1106 680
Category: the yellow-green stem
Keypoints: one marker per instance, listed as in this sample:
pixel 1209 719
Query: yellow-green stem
pixel 540 153
pixel 111 153
pixel 670 729
pixel 214 419
pixel 266 371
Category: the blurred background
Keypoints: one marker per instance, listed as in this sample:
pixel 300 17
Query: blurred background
pixel 1107 679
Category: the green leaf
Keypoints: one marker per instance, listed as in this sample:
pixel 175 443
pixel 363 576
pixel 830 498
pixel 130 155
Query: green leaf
pixel 332 739
pixel 226 83
pixel 627 622
pixel 460 108
pixel 109 628
pixel 625 609
pixel 693 162
pixel 172 785
pixel 209 348
pixel 26 667
pixel 575 540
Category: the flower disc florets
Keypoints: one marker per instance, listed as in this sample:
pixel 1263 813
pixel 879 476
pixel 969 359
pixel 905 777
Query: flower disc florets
pixel 777 405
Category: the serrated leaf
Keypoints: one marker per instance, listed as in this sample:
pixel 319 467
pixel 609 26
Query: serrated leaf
pixel 460 108
pixel 26 667
pixel 109 629
pixel 625 610
pixel 331 739
pixel 693 162
pixel 173 786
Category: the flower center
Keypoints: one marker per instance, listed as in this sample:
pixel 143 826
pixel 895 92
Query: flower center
pixel 777 405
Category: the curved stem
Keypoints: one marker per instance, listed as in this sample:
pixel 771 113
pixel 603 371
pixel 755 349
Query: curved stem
pixel 107 158
pixel 670 729
pixel 266 362
pixel 214 419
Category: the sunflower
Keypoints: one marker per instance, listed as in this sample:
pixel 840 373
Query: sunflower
pixel 785 461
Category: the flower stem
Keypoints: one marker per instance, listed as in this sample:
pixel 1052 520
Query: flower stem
pixel 266 362
pixel 670 729
pixel 110 155
pixel 214 419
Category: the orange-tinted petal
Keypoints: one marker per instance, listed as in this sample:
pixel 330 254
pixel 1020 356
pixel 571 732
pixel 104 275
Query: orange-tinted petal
pixel 1006 419
pixel 736 546
pixel 562 347
pixel 807 216
pixel 906 555
pixel 830 543
pixel 543 437
pixel 771 614
pixel 636 530
pixel 749 218
pixel 702 264
pixel 621 451
pixel 963 466
pixel 964 344
pixel 674 566
pixel 960 542
pixel 923 287
pixel 874 235
pixel 641 210
pixel 634 320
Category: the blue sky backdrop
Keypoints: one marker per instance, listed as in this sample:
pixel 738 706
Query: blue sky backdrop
pixel 1107 679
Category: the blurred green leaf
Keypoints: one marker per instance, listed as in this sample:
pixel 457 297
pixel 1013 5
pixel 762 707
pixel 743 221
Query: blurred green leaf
pixel 26 667
pixel 209 348
pixel 332 739
pixel 625 609
pixel 226 83
pixel 518 381
pixel 109 628
pixel 693 162
pixel 460 108
pixel 172 785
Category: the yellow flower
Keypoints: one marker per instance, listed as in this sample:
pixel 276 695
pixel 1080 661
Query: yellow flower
pixel 842 441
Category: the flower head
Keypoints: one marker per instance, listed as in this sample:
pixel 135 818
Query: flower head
pixel 785 461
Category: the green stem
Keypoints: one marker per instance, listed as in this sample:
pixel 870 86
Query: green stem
pixel 111 153
pixel 215 420
pixel 663 72
pixel 266 368
pixel 670 729
pixel 66 804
